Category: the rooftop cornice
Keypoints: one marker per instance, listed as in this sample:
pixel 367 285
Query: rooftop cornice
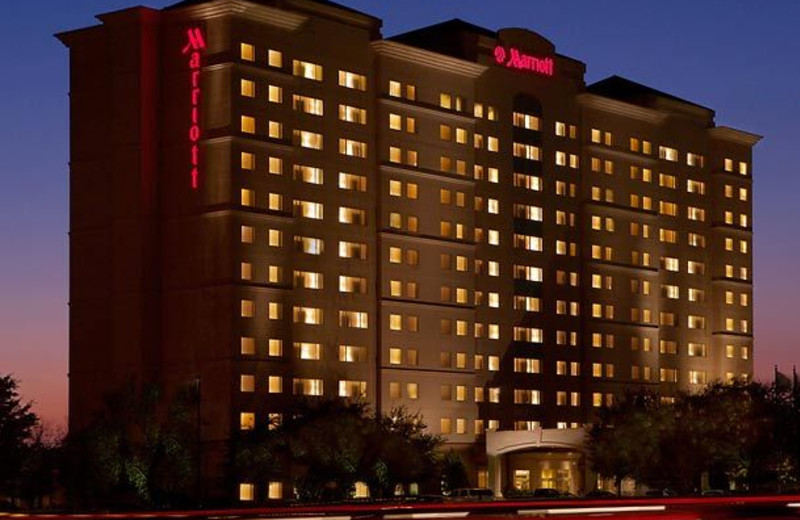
pixel 727 133
pixel 347 15
pixel 280 18
pixel 613 106
pixel 429 58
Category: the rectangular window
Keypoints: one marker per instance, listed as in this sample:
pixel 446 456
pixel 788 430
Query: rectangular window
pixel 352 114
pixel 311 387
pixel 306 139
pixel 352 80
pixel 352 148
pixel 306 69
pixel 247 52
pixel 274 58
pixel 248 125
pixel 248 88
pixel 309 105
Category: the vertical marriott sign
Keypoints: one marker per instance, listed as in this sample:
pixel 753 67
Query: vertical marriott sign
pixel 194 44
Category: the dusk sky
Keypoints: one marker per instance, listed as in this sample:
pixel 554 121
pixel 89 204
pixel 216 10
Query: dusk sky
pixel 738 57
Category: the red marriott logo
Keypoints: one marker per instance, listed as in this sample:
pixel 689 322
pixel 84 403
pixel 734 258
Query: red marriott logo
pixel 515 59
pixel 194 44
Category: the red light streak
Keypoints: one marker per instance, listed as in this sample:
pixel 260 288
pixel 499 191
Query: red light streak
pixel 195 42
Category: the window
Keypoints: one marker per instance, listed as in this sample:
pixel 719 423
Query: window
pixel 308 174
pixel 247 233
pixel 309 351
pixel 353 319
pixel 526 121
pixel 247 52
pixel 311 387
pixel 352 389
pixel 308 280
pixel 352 250
pixel 352 114
pixel 352 148
pixel 352 216
pixel 309 105
pixel 274 58
pixel 352 80
pixel 275 130
pixel 306 69
pixel 306 139
pixel 307 315
pixel 248 88
pixel 349 181
pixel 248 125
pixel 527 151
pixel 247 421
pixel 275 94
pixel 308 209
pixel 352 354
pixel 668 154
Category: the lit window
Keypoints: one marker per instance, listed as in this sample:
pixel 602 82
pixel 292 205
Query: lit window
pixel 352 114
pixel 349 181
pixel 307 209
pixel 308 139
pixel 353 319
pixel 275 94
pixel 309 245
pixel 274 58
pixel 246 491
pixel 352 389
pixel 309 105
pixel 248 124
pixel 275 384
pixel 308 174
pixel 247 421
pixel 308 315
pixel 247 233
pixel 352 354
pixel 352 80
pixel 248 88
pixel 311 387
pixel 306 69
pixel 352 148
pixel 247 346
pixel 247 52
pixel 275 489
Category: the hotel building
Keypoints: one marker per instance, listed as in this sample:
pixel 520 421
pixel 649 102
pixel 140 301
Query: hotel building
pixel 271 199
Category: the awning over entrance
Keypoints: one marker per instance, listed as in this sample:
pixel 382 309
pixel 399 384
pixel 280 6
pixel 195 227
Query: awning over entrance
pixel 501 443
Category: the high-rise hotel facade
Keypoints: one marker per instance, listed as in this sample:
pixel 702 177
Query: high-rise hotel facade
pixel 272 200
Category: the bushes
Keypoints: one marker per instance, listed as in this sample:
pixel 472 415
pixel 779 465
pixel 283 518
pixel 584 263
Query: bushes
pixel 744 434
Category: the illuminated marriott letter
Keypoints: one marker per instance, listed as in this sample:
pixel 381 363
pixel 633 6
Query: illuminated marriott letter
pixel 514 59
pixel 195 42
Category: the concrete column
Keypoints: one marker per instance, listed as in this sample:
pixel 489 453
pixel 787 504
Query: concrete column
pixel 496 474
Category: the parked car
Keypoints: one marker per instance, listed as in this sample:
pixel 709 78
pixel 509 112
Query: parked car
pixel 715 493
pixel 547 493
pixel 666 492
pixel 600 493
pixel 464 494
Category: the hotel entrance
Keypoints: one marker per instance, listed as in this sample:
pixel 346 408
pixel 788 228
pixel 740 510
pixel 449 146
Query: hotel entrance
pixel 520 462
pixel 551 469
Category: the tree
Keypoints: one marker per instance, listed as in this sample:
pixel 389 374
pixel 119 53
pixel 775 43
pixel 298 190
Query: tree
pixel 406 452
pixel 323 447
pixel 453 471
pixel 17 426
pixel 139 451
pixel 624 440
pixel 742 432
